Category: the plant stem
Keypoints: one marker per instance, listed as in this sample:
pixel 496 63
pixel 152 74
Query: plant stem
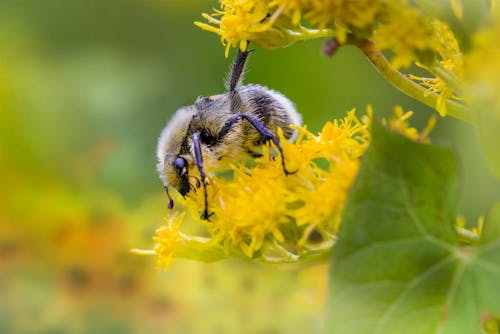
pixel 409 87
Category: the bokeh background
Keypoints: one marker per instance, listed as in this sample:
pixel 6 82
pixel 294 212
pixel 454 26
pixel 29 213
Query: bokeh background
pixel 85 88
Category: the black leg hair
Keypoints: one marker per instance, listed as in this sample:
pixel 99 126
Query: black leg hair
pixel 199 164
pixel 237 70
pixel 261 129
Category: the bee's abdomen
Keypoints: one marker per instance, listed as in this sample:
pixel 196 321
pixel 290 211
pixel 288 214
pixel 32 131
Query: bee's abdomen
pixel 273 109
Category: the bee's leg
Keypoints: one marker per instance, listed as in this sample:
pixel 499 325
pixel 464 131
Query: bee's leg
pixel 261 129
pixel 268 136
pixel 237 70
pixel 199 164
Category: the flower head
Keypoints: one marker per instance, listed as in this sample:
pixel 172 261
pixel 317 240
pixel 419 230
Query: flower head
pixel 448 69
pixel 400 123
pixel 269 24
pixel 172 243
pixel 394 24
pixel 261 213
pixel 407 33
pixel 264 213
pixel 343 16
pixel 242 21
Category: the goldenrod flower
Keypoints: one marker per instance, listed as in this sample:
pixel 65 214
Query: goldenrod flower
pixel 407 33
pixel 172 243
pixel 394 25
pixel 343 16
pixel 262 214
pixel 291 8
pixel 400 124
pixel 242 21
pixel 269 24
pixel 448 69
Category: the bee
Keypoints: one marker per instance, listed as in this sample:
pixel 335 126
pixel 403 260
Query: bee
pixel 222 129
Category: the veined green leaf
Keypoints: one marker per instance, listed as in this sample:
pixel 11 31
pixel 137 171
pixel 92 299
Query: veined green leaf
pixel 398 266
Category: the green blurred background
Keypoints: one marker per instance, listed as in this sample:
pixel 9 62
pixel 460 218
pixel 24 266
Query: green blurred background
pixel 85 89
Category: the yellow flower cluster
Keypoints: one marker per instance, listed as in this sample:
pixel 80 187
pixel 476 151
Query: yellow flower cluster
pixel 407 33
pixel 400 124
pixel 262 214
pixel 450 68
pixel 264 23
pixel 342 15
pixel 403 28
pixel 394 24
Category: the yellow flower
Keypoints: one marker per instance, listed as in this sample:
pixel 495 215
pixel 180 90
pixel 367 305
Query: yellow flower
pixel 343 16
pixel 242 21
pixel 407 33
pixel 169 240
pixel 172 243
pixel 291 8
pixel 262 214
pixel 269 24
pixel 399 123
pixel 448 69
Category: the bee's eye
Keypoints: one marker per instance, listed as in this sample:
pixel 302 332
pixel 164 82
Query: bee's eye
pixel 180 166
pixel 207 138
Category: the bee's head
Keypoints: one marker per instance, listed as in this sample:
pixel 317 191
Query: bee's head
pixel 175 173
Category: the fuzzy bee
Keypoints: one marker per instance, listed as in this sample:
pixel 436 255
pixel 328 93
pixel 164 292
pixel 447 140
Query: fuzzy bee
pixel 221 129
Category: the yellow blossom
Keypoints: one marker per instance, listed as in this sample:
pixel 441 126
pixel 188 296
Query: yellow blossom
pixel 399 123
pixel 172 243
pixel 263 214
pixel 291 8
pixel 407 33
pixel 260 211
pixel 169 240
pixel 343 16
pixel 239 20
pixel 448 69
pixel 242 21
pixel 269 24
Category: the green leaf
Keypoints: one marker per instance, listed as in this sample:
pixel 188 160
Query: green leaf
pixel 397 266
pixel 477 280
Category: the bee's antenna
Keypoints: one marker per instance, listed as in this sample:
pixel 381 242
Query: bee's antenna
pixel 237 70
pixel 170 200
pixel 199 164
